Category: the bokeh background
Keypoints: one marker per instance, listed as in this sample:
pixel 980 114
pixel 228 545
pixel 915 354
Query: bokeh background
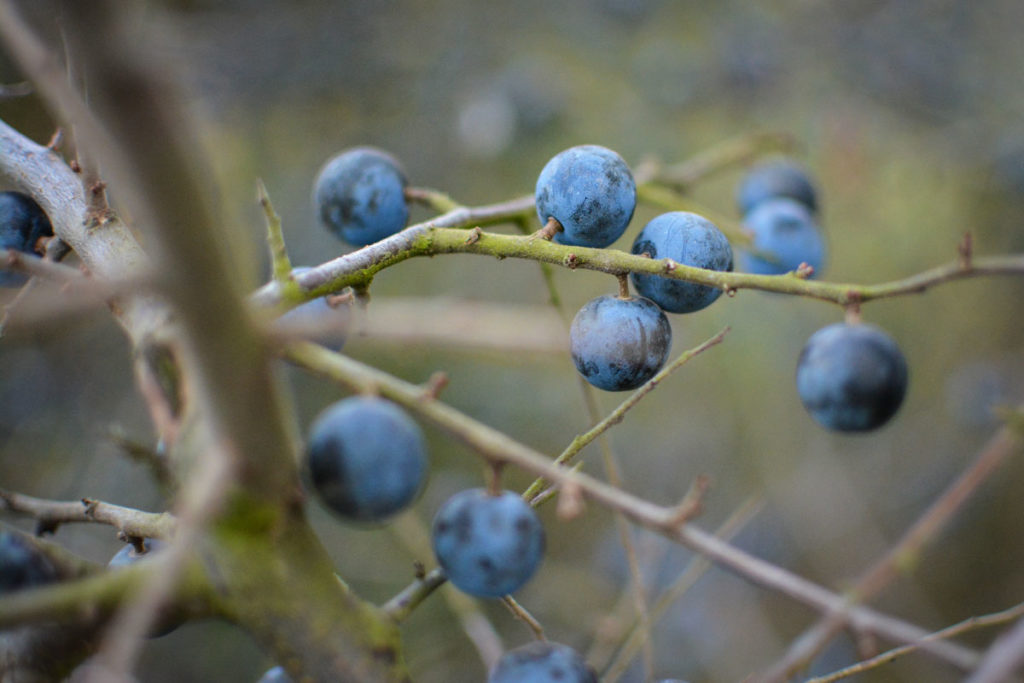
pixel 910 116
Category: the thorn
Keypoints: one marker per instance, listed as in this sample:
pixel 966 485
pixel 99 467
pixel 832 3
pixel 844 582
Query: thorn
pixel 730 292
pixel 966 250
pixel 435 385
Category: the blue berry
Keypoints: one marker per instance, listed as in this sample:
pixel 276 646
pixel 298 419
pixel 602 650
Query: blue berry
pixel 488 545
pixel 317 320
pixel 360 195
pixel 367 458
pixel 688 239
pixel 22 223
pixel 542 662
pixel 128 556
pixel 618 344
pixel 777 178
pixel 276 674
pixel 590 191
pixel 22 565
pixel 851 378
pixel 785 233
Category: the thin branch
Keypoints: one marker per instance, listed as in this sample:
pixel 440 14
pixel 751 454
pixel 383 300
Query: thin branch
pixel 903 556
pixel 51 513
pixel 523 615
pixel 1005 657
pixel 733 152
pixel 281 265
pixel 359 267
pixel 496 446
pixel 434 199
pixel 617 415
pixel 402 605
pixel 969 624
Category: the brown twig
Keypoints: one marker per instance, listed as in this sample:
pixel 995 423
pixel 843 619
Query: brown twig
pixel 52 513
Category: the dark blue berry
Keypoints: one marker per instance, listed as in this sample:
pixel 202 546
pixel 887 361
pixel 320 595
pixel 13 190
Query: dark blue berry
pixel 784 236
pixel 360 195
pixel 317 320
pixel 688 239
pixel 618 344
pixel 128 556
pixel 590 191
pixel 22 565
pixel 542 662
pixel 22 224
pixel 367 458
pixel 851 378
pixel 488 545
pixel 777 178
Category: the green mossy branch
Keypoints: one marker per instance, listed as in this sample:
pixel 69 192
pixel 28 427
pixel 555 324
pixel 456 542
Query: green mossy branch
pixel 429 240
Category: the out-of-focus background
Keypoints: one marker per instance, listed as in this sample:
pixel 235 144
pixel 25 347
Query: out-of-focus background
pixel 910 116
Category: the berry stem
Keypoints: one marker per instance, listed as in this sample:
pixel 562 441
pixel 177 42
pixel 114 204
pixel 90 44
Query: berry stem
pixel 623 285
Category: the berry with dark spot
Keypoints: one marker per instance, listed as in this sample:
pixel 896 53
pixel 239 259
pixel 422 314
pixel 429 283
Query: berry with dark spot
pixel 773 179
pixel 618 344
pixel 488 545
pixel 22 224
pixel 590 191
pixel 367 458
pixel 851 378
pixel 784 236
pixel 22 565
pixel 688 239
pixel 360 195
pixel 542 662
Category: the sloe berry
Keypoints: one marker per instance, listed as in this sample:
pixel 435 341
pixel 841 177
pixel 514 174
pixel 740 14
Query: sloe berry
pixel 488 545
pixel 590 191
pixel 688 239
pixel 785 235
pixel 367 458
pixel 776 178
pixel 275 674
pixel 542 662
pixel 618 344
pixel 317 320
pixel 22 223
pixel 128 556
pixel 851 378
pixel 360 195
pixel 22 565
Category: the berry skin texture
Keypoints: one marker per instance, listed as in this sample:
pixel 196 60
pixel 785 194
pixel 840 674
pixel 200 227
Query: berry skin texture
pixel 360 196
pixel 851 378
pixel 785 231
pixel 488 545
pixel 367 458
pixel 22 223
pixel 590 191
pixel 276 674
pixel 618 344
pixel 22 565
pixel 542 662
pixel 688 239
pixel 773 179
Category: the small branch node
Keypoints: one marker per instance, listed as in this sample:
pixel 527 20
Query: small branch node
pixel 55 140
pixel 571 261
pixel 670 265
pixel 804 271
pixel 692 503
pixel 474 235
pixel 730 292
pixel 419 570
pixel 435 385
pixel 75 166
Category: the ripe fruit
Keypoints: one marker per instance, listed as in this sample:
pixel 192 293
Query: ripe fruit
pixel 128 556
pixel 542 662
pixel 777 178
pixel 785 233
pixel 22 565
pixel 488 545
pixel 317 320
pixel 360 195
pixel 590 191
pixel 275 674
pixel 367 458
pixel 688 239
pixel 851 378
pixel 22 223
pixel 618 344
